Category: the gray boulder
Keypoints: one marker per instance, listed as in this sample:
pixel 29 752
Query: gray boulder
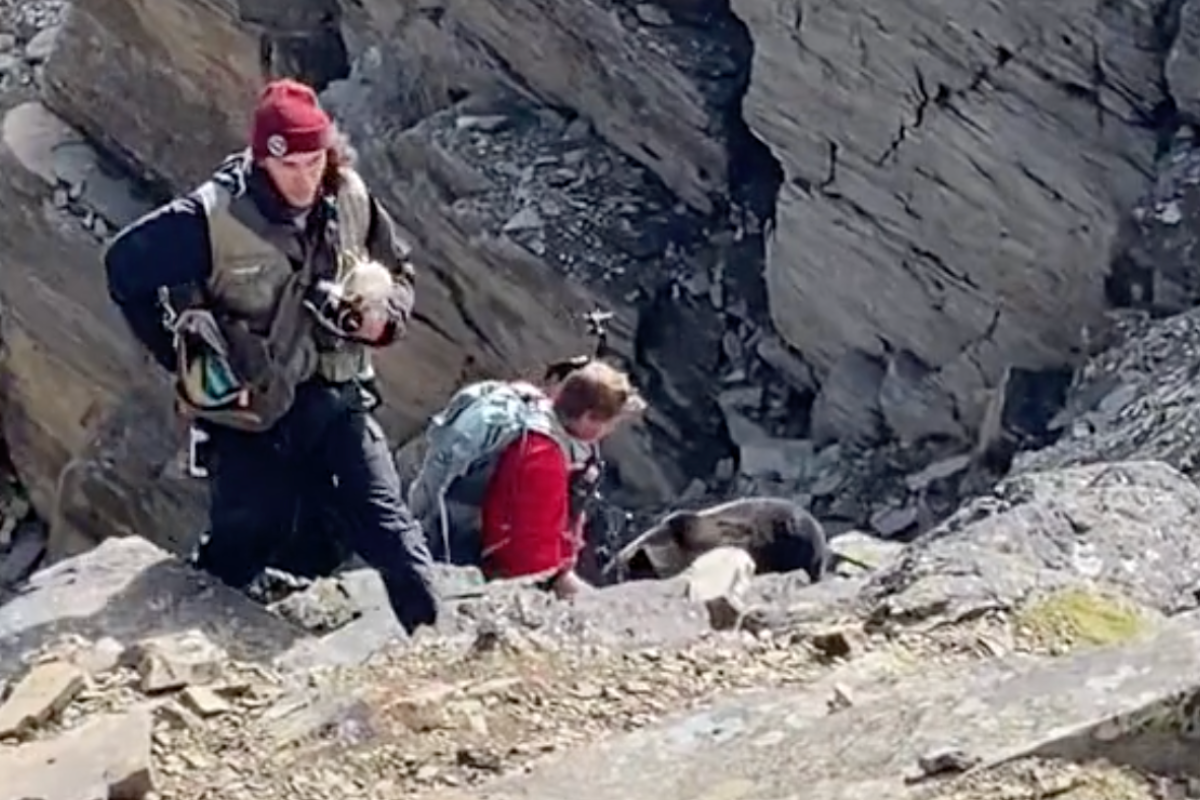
pixel 129 590
pixel 1128 527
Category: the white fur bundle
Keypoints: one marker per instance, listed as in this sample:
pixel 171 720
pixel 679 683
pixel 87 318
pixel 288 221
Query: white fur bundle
pixel 368 280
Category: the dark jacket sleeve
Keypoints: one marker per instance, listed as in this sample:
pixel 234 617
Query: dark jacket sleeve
pixel 167 247
pixel 387 247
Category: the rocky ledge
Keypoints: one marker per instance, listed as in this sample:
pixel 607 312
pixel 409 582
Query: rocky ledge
pixel 1019 643
pixel 743 187
pixel 740 188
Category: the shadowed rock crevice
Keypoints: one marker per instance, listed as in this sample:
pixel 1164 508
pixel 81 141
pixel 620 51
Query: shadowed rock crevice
pixel 1144 272
pixel 693 286
pixel 1165 117
pixel 300 40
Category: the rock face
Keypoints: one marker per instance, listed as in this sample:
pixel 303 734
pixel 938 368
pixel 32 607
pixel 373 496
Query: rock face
pixel 952 181
pixel 66 357
pixel 522 216
pixel 658 91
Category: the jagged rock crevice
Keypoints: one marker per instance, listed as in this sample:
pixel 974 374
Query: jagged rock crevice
pixel 928 400
pixel 1134 400
pixel 912 236
pixel 301 40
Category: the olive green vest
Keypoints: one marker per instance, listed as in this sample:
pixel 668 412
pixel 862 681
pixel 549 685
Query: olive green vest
pixel 251 271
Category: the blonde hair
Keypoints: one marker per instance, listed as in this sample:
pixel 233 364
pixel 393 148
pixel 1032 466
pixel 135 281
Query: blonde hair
pixel 599 389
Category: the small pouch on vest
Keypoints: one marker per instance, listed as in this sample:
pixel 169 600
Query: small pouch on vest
pixel 212 372
pixel 207 379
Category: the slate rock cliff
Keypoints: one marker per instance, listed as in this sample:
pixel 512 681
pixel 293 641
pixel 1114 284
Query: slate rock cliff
pixel 954 174
pixel 867 218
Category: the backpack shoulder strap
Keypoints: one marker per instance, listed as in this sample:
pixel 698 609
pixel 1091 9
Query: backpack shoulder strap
pixel 478 422
pixel 354 212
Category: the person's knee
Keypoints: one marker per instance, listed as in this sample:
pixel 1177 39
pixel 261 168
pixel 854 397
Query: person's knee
pixel 225 557
pixel 380 528
pixel 247 520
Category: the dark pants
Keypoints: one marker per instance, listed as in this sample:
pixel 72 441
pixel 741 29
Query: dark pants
pixel 325 441
pixel 317 546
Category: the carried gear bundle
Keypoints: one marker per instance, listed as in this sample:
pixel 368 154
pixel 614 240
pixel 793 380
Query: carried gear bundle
pixel 206 378
pixel 339 306
pixel 228 374
pixel 463 442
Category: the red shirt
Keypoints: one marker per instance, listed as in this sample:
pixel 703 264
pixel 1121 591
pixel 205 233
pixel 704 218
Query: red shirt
pixel 526 511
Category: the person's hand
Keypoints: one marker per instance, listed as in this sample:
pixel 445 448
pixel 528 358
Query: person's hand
pixel 372 327
pixel 569 585
pixel 373 321
pixel 578 534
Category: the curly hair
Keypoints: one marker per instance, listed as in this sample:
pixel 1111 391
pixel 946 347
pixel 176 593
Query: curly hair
pixel 340 155
pixel 600 389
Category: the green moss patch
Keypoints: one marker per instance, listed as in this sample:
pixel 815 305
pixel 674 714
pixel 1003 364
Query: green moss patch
pixel 1081 616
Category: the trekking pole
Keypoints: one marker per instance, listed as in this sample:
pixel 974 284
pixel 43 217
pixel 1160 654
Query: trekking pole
pixel 597 326
pixel 597 323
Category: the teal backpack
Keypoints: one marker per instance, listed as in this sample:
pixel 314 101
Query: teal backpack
pixel 480 420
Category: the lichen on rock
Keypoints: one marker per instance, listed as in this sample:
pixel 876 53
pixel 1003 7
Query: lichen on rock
pixel 1081 616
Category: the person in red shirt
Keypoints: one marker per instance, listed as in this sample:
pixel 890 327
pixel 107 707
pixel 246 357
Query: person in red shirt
pixel 528 525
